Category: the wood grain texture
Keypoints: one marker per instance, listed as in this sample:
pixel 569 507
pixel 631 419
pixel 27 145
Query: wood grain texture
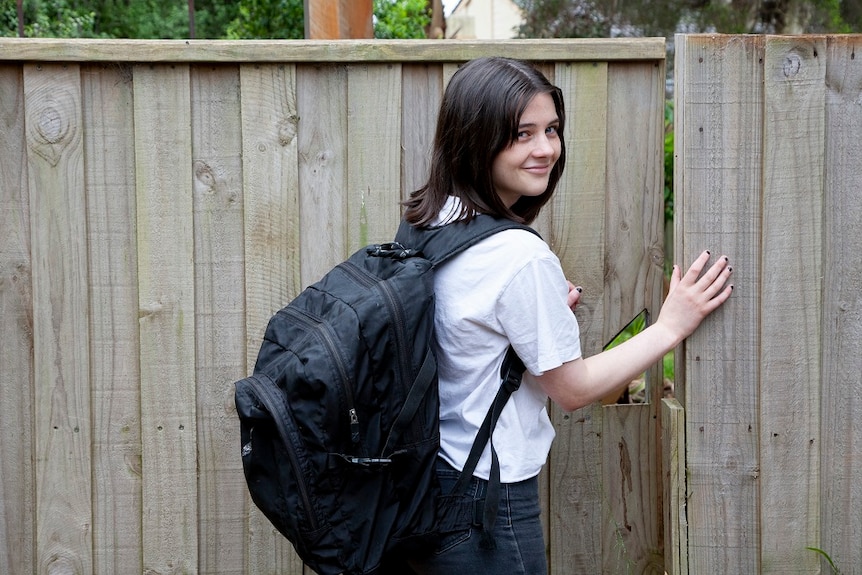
pixel 630 541
pixel 373 153
pixel 841 386
pixel 673 466
pixel 163 161
pixel 719 146
pixel 789 378
pixel 422 92
pixel 17 372
pixel 219 312
pixel 115 379
pixel 332 51
pixel 323 170
pixel 61 332
pixel 633 276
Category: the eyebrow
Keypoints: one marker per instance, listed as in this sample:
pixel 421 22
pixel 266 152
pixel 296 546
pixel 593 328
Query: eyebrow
pixel 556 120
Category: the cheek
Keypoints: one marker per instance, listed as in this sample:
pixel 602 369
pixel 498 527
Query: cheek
pixel 558 150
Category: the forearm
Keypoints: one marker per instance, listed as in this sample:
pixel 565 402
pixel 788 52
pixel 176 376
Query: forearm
pixel 690 299
pixel 583 381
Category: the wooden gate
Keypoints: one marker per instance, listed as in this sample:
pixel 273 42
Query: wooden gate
pixel 160 199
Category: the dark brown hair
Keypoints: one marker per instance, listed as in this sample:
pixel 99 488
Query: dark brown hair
pixel 479 116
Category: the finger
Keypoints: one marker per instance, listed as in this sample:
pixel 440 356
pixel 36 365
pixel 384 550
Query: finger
pixel 574 296
pixel 714 273
pixel 719 299
pixel 675 277
pixel 719 283
pixel 696 267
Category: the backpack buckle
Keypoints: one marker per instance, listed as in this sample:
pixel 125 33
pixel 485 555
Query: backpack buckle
pixel 392 250
pixel 364 461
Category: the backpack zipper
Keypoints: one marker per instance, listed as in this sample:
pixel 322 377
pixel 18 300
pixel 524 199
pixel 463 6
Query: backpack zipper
pixel 325 332
pixel 270 401
pixel 397 312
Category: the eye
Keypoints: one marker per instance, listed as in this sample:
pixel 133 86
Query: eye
pixel 551 130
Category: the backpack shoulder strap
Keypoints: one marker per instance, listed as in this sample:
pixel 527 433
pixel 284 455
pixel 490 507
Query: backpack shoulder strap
pixel 441 243
pixel 438 245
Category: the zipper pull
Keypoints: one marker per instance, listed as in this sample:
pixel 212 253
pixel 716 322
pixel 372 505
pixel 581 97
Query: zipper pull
pixel 354 425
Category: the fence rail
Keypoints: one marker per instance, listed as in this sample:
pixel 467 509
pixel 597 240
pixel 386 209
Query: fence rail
pixel 159 200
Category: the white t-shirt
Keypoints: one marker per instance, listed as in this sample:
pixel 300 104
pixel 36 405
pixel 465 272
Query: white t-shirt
pixel 508 288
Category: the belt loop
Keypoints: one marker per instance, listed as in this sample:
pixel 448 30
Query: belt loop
pixel 478 512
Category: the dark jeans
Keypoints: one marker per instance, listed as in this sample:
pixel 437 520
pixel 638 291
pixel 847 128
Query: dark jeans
pixel 520 546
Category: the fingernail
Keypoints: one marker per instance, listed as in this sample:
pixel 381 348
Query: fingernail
pixel 726 259
pixel 580 289
pixel 730 269
pixel 708 252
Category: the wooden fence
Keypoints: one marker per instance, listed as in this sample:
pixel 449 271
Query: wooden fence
pixel 160 199
pixel 769 170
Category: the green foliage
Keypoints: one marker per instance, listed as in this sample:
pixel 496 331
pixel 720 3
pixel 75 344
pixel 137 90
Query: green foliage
pixel 117 18
pixel 268 19
pixel 401 18
pixel 153 19
pixel 604 18
pixel 668 161
pixel 835 570
pixel 48 19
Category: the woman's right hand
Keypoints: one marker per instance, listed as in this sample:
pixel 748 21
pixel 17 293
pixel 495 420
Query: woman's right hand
pixel 695 295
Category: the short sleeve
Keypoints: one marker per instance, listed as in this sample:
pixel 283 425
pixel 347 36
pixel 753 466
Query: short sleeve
pixel 533 312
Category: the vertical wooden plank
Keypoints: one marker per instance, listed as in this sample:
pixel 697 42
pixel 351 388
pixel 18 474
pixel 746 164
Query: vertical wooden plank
pixel 793 137
pixel 673 465
pixel 165 244
pixel 720 152
pixel 115 377
pixel 323 156
pixel 61 330
pixel 17 475
pixel 219 312
pixel 633 274
pixel 448 70
pixel 841 387
pixel 373 153
pixel 270 121
pixel 635 201
pixel 629 538
pixel 577 236
pixel 421 93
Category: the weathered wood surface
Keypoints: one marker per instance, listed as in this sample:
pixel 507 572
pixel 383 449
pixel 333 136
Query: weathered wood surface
pixel 161 200
pixel 767 133
pixel 673 466
pixel 343 51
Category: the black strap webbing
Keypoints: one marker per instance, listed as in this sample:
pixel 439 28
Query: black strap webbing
pixel 510 374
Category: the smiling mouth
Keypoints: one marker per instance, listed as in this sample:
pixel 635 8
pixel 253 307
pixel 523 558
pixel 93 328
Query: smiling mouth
pixel 539 169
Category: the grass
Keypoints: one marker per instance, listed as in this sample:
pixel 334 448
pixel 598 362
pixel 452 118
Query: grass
pixel 824 554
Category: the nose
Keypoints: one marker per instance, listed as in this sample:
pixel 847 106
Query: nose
pixel 544 147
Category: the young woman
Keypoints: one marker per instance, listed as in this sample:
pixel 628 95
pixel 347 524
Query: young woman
pixel 499 150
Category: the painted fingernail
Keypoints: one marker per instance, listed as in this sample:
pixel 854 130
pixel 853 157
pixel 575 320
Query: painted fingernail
pixel 730 269
pixel 580 289
pixel 708 252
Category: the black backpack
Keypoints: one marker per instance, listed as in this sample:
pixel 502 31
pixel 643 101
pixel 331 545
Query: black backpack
pixel 339 420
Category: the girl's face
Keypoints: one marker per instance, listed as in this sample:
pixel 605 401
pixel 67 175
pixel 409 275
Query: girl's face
pixel 523 169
